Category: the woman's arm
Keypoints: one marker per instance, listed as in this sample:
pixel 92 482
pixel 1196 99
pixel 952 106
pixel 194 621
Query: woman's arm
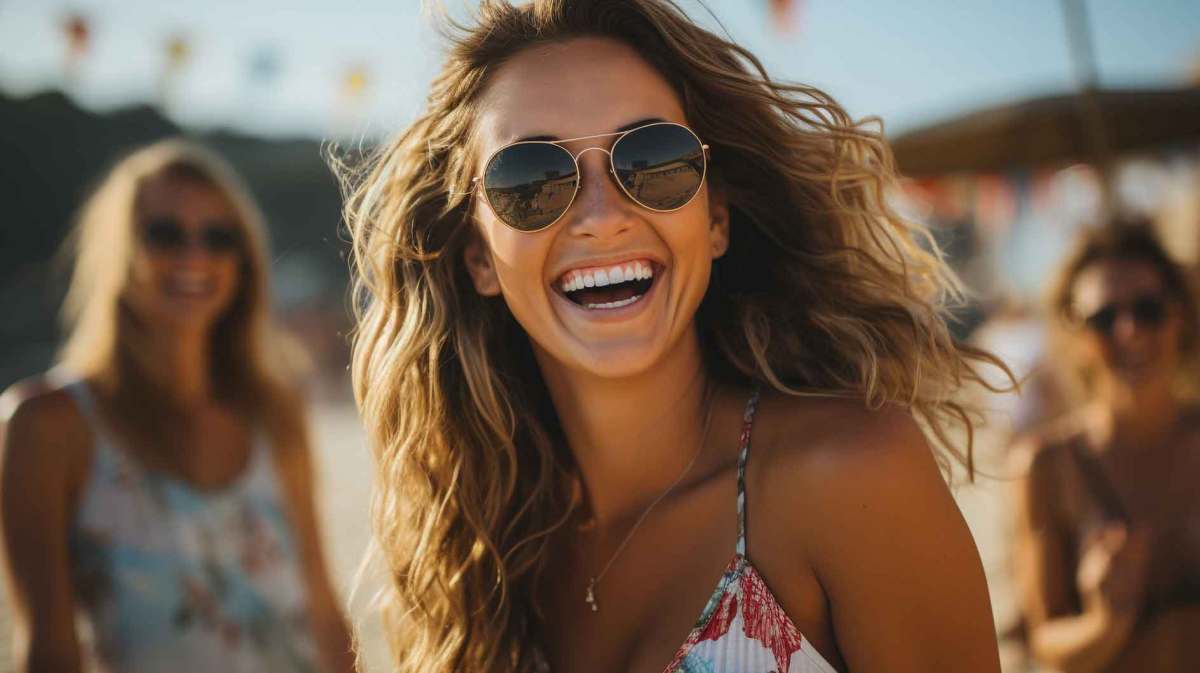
pixel 42 440
pixel 1059 635
pixel 328 622
pixel 872 513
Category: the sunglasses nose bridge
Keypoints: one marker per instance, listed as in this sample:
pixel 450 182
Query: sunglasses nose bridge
pixel 607 166
pixel 589 149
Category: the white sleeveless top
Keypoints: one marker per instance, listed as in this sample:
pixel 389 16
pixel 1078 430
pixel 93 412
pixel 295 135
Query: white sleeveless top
pixel 176 579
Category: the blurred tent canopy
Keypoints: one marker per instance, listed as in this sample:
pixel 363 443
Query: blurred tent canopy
pixel 1052 130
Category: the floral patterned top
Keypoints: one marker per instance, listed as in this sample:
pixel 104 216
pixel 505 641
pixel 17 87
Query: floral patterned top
pixel 171 578
pixel 742 628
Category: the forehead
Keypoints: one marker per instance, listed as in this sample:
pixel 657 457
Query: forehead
pixel 578 87
pixel 1114 280
pixel 172 194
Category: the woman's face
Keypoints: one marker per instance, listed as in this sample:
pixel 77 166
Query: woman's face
pixel 584 87
pixel 1130 327
pixel 188 253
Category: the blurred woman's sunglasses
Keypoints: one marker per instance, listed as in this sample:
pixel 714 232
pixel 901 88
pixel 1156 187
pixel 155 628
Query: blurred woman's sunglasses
pixel 530 184
pixel 1148 310
pixel 167 234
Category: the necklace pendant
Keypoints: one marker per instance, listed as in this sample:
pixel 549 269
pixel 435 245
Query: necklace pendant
pixel 591 595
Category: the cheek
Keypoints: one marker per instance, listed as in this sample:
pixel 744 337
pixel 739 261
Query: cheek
pixel 147 269
pixel 1171 336
pixel 1094 349
pixel 519 257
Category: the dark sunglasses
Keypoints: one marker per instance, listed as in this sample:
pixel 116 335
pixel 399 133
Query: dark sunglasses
pixel 1149 310
pixel 530 184
pixel 167 234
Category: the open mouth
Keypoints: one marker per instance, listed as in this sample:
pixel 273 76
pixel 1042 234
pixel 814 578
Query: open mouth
pixel 608 287
pixel 190 286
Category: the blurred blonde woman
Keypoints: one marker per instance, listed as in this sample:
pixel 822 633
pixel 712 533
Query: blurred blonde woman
pixel 1108 544
pixel 159 480
pixel 642 352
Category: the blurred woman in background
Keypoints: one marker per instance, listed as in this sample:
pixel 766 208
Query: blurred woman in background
pixel 160 479
pixel 1108 549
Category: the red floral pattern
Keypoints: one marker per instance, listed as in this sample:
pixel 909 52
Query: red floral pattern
pixel 718 625
pixel 765 620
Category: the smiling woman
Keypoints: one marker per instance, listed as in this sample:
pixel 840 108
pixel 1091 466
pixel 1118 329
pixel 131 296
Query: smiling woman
pixel 159 480
pixel 610 256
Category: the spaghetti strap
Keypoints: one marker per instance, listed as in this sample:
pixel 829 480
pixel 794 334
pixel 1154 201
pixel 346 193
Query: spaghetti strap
pixel 743 454
pixel 79 392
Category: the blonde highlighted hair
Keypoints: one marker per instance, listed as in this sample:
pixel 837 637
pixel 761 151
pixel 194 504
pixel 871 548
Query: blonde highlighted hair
pixel 824 290
pixel 252 361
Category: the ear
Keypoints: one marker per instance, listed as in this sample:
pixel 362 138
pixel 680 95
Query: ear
pixel 718 213
pixel 478 258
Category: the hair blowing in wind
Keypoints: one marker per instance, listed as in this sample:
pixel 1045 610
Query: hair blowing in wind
pixel 824 290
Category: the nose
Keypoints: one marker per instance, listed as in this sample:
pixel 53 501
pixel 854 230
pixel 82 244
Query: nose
pixel 1126 329
pixel 600 210
pixel 194 252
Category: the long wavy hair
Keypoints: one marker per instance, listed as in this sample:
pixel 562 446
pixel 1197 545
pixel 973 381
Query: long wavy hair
pixel 1130 240
pixel 106 336
pixel 824 290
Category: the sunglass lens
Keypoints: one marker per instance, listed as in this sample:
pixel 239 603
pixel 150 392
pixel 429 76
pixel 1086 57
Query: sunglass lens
pixel 1102 321
pixel 220 238
pixel 1149 311
pixel 164 233
pixel 530 185
pixel 660 166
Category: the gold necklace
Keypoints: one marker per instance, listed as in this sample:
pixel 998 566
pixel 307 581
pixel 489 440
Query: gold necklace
pixel 590 598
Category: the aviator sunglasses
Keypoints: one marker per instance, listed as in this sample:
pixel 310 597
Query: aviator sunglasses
pixel 530 184
pixel 1148 310
pixel 167 234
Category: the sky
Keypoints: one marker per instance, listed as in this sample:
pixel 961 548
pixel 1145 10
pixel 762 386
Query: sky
pixel 911 63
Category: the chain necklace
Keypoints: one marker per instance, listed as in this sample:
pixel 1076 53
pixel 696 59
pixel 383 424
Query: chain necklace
pixel 590 599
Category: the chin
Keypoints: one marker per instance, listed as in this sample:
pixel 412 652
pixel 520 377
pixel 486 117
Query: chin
pixel 607 361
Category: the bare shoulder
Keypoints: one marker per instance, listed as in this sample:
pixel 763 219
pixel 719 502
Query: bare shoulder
pixel 38 405
pixel 44 437
pixel 824 446
pixel 829 465
pixel 858 494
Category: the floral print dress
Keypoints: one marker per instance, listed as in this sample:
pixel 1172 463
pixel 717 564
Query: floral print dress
pixel 171 578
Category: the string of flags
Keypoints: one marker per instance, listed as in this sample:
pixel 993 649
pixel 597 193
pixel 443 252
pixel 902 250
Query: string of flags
pixel 265 65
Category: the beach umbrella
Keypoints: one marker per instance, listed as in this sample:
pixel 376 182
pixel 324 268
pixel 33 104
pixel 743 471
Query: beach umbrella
pixel 1051 130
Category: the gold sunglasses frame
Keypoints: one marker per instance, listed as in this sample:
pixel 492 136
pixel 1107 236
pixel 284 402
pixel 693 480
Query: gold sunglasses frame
pixel 612 170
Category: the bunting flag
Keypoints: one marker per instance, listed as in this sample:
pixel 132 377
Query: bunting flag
pixel 348 117
pixel 354 82
pixel 785 16
pixel 265 66
pixel 995 205
pixel 77 31
pixel 178 52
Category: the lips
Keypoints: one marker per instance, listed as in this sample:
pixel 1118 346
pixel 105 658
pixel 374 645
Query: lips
pixel 189 285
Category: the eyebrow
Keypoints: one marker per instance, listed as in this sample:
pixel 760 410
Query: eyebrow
pixel 632 125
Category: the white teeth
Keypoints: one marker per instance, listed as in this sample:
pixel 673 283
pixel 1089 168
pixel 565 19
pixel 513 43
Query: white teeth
pixel 577 280
pixel 614 304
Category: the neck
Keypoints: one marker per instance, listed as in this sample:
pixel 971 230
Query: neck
pixel 631 437
pixel 180 361
pixel 1138 417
